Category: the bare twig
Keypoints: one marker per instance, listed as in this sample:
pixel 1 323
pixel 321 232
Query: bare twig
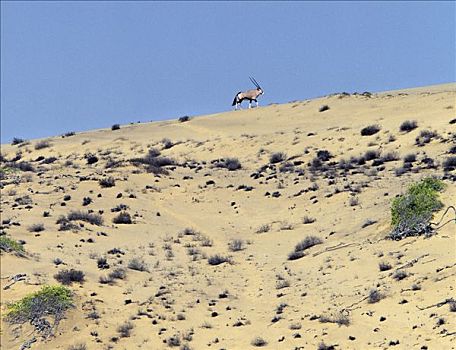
pixel 14 279
pixel 411 262
pixel 446 301
pixel 336 247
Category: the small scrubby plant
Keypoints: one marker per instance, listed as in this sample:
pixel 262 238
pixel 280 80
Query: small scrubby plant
pixel 295 255
pixel 370 130
pixel 263 228
pixel 154 162
pixel 308 220
pixel 384 266
pixel 411 212
pixel 107 182
pixel 36 228
pixel 306 243
pixel 122 218
pixel 137 264
pixel 229 163
pixel 184 119
pixel 236 245
pixel 374 296
pixel 118 273
pixel 79 346
pixel 91 218
pixel 17 141
pixel 125 329
pixel 259 342
pixel 277 157
pixel 449 164
pixel 408 126
pixel 424 137
pixel 67 277
pixel 399 275
pixel 217 259
pixel 42 144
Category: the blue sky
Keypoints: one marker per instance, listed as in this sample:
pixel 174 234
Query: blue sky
pixel 74 66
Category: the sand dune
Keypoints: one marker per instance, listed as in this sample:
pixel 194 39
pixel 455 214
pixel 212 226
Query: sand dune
pixel 181 300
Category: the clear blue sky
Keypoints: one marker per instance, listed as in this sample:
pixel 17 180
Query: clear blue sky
pixel 74 66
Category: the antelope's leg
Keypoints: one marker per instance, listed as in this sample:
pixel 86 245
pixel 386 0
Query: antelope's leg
pixel 250 104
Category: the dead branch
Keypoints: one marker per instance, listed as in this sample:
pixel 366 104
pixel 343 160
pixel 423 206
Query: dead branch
pixel 336 247
pixel 446 301
pixel 411 262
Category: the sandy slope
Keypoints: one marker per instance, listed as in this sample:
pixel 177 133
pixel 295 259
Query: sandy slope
pixel 228 305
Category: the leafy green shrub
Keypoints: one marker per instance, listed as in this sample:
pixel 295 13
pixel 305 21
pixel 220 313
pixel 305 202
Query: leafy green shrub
pixel 49 301
pixel 8 245
pixel 411 212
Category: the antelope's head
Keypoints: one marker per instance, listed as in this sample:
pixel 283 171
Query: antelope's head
pixel 259 89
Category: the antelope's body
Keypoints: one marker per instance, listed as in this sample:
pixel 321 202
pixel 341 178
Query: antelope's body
pixel 250 95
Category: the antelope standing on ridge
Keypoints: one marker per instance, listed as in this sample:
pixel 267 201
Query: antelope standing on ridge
pixel 250 95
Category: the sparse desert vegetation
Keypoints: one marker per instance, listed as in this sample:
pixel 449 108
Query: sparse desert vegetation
pixel 408 126
pixel 67 277
pixel 279 228
pixel 370 130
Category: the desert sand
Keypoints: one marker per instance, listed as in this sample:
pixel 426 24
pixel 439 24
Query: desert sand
pixel 182 301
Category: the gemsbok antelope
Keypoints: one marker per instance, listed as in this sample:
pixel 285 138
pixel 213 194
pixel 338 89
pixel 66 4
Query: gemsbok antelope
pixel 250 95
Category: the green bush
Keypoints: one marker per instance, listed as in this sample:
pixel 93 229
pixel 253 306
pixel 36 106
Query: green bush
pixel 411 212
pixel 8 245
pixel 49 301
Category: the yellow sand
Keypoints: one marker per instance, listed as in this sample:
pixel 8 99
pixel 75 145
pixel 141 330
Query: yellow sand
pixel 325 282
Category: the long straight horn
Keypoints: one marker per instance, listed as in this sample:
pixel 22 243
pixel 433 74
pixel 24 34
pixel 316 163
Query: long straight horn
pixel 255 82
